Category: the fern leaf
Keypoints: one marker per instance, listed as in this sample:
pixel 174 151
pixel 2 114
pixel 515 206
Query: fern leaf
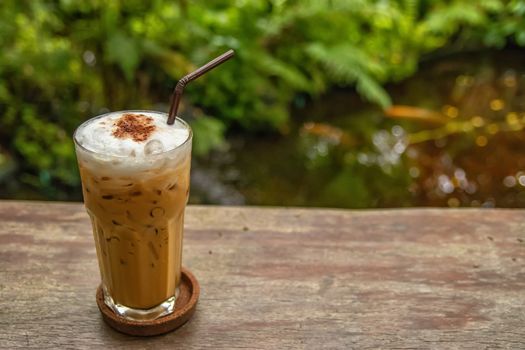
pixel 349 65
pixel 287 72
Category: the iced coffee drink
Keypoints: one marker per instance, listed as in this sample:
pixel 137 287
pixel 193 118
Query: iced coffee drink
pixel 135 178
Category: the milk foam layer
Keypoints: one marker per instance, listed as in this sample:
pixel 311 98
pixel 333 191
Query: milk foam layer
pixel 96 135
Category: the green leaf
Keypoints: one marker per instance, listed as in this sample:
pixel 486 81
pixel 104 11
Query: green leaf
pixel 372 91
pixel 285 71
pixel 520 38
pixel 348 65
pixel 123 51
pixel 208 133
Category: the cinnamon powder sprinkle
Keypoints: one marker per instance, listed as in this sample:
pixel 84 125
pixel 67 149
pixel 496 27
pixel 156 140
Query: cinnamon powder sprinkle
pixel 138 127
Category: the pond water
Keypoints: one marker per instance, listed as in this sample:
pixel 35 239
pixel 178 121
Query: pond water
pixel 454 137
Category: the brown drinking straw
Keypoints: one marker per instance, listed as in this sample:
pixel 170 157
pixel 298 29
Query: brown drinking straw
pixel 179 89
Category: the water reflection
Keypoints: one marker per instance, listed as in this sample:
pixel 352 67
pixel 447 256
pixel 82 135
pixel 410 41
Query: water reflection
pixel 453 138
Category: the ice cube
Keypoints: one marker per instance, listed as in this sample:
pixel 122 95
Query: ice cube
pixel 153 147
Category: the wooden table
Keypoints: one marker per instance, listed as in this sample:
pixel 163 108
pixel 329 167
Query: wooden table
pixel 283 278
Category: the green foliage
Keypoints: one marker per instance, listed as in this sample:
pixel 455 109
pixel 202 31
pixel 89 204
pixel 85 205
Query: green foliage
pixel 65 61
pixel 207 135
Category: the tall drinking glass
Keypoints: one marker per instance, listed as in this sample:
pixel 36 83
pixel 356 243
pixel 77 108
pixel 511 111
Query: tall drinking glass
pixel 136 204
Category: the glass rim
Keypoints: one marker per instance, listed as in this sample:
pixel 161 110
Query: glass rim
pixel 177 119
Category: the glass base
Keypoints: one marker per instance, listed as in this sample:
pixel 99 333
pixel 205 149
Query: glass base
pixel 163 309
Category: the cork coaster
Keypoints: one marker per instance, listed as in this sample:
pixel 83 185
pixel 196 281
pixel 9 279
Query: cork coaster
pixel 184 308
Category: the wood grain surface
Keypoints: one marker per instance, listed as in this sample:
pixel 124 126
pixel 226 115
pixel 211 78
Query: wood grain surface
pixel 282 278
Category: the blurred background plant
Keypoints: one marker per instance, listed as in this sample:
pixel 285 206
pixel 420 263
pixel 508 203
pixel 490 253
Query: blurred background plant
pixel 65 61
